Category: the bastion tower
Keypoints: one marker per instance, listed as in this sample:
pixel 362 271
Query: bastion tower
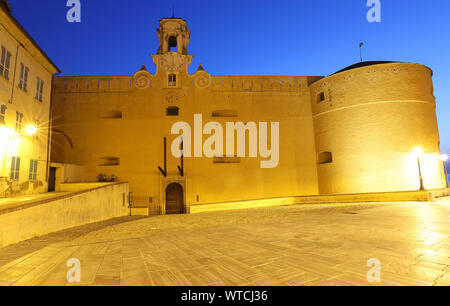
pixel 368 120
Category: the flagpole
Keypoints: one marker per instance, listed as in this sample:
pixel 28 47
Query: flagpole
pixel 360 50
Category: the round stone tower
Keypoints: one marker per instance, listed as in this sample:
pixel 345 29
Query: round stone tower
pixel 369 118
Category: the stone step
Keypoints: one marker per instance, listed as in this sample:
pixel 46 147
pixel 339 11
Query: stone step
pixel 140 211
pixel 144 210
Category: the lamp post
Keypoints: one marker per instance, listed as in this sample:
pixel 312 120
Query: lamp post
pixel 418 152
pixel 444 159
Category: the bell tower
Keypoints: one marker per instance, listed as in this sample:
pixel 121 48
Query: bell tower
pixel 173 35
pixel 172 54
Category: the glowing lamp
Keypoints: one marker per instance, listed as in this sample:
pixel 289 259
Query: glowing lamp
pixel 31 130
pixel 418 152
pixel 444 157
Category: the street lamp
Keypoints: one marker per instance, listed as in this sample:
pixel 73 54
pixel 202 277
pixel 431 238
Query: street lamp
pixel 31 130
pixel 418 152
pixel 444 159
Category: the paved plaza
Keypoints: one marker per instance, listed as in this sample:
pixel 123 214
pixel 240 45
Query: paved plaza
pixel 292 245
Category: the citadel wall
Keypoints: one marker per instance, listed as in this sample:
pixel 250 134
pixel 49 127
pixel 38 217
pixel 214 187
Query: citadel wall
pixel 84 109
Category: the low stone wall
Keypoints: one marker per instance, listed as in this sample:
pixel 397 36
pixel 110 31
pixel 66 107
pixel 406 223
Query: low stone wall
pixel 413 196
pixel 73 187
pixel 93 204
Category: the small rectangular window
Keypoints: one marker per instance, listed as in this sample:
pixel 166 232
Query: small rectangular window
pixel 19 119
pixel 2 113
pixel 33 170
pixel 321 97
pixel 15 168
pixel 224 113
pixel 172 111
pixel 172 80
pixel 113 114
pixel 324 158
pixel 5 62
pixel 110 161
pixel 227 160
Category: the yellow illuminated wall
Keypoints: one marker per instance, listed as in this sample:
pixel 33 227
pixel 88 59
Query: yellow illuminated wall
pixel 370 121
pixel 15 142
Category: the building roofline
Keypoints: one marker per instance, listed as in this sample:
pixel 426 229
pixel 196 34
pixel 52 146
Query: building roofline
pixel 375 63
pixel 22 29
pixel 172 18
pixel 368 64
pixel 365 64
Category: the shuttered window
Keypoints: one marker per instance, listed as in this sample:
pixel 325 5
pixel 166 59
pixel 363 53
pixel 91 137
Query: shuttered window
pixel 15 168
pixel 39 89
pixel 23 82
pixel 5 62
pixel 33 170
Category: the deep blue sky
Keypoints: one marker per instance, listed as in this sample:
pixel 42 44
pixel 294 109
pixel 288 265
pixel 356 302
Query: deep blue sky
pixel 248 37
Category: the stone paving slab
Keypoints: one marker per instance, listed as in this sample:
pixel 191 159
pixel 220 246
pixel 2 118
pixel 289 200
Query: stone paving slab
pixel 305 245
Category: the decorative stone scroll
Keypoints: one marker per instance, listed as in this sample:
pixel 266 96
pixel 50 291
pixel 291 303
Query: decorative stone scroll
pixel 202 79
pixel 141 79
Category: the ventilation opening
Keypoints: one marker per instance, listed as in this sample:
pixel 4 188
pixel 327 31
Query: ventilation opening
pixel 227 160
pixel 110 161
pixel 325 158
pixel 172 43
pixel 172 111
pixel 224 113
pixel 114 114
pixel 321 97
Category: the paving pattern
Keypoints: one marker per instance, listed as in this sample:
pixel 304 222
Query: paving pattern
pixel 295 245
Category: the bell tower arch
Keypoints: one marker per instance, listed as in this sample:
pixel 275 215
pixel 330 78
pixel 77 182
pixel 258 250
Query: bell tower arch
pixel 172 55
pixel 173 36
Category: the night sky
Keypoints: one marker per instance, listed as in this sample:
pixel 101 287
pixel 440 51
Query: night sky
pixel 247 37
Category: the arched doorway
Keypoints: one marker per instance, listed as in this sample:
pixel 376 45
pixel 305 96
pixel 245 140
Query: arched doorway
pixel 174 199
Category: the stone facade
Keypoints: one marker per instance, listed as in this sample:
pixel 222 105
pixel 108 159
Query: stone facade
pixel 352 132
pixel 25 90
